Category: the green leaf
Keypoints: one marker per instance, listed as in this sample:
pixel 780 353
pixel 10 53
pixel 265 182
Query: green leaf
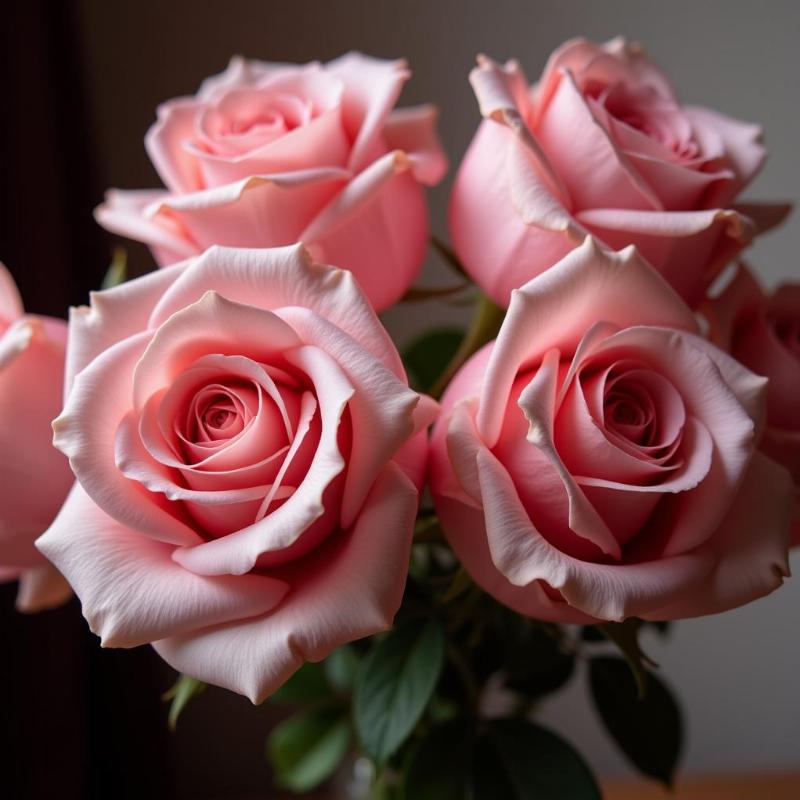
pixel 439 765
pixel 428 355
pixel 182 691
pixel 118 269
pixel 518 760
pixel 648 729
pixel 626 636
pixel 341 667
pixel 394 685
pixel 307 685
pixel 536 664
pixel 306 749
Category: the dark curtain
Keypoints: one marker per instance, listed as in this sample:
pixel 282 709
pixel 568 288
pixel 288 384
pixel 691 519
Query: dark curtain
pixel 76 721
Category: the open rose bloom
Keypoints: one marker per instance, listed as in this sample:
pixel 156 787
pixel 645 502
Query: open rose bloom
pixel 247 457
pixel 271 154
pixel 598 461
pixel 763 332
pixel 34 476
pixel 601 145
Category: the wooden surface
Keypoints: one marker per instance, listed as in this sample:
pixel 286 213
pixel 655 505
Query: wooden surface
pixel 741 787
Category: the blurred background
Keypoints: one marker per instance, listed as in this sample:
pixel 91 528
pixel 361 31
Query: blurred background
pixel 80 84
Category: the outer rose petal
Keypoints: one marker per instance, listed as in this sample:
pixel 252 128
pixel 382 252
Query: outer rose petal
pixel 748 566
pixel 86 432
pixel 349 588
pixel 277 278
pixel 413 130
pixel 34 476
pixel 688 248
pixel 132 592
pixel 377 227
pixel 124 213
pixel 113 315
pixel 500 247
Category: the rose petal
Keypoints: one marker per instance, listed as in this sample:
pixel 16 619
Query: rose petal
pixel 348 589
pixel 278 278
pixel 750 549
pixel 86 431
pixel 131 591
pixel 548 313
pixel 238 552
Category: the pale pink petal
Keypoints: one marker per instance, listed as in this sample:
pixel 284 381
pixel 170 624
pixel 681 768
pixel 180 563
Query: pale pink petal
pixel 258 211
pixel 503 98
pixel 101 396
pixel 726 306
pixel 347 589
pixel 113 315
pixel 34 476
pixel 282 277
pixel 549 313
pixel 465 529
pixel 213 325
pixel 750 548
pixel 608 592
pixel 240 72
pixel 377 227
pixel 166 144
pixel 504 240
pixel 538 404
pixel 273 537
pixel 131 591
pixel 688 248
pixel 371 89
pixel 413 130
pixel 381 409
pixel 42 588
pixel 124 213
pixel 744 153
pixel 577 146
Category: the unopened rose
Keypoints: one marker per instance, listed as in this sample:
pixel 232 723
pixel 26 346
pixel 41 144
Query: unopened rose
pixel 247 454
pixel 763 332
pixel 271 154
pixel 598 461
pixel 34 476
pixel 601 144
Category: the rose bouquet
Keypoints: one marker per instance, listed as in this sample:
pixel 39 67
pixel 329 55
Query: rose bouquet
pixel 411 552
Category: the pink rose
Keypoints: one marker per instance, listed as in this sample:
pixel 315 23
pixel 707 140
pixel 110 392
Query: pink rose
pixel 34 476
pixel 597 461
pixel 246 448
pixel 271 154
pixel 600 145
pixel 763 332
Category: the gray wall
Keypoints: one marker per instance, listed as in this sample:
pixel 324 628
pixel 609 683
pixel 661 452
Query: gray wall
pixel 737 673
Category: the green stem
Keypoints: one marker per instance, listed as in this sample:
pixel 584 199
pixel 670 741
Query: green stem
pixel 483 327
